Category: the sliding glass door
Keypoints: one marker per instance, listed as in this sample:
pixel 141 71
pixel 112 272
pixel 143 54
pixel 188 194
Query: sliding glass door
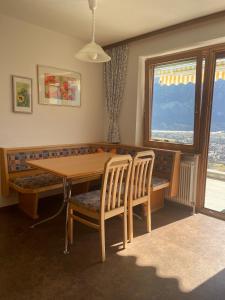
pixel 185 110
pixel 215 181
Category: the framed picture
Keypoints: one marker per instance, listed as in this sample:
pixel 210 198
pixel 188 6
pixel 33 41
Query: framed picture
pixel 58 87
pixel 22 94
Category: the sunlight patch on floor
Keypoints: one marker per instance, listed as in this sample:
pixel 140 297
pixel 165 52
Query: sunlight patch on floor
pixel 215 195
pixel 190 264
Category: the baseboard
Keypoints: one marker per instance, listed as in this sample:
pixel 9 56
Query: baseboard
pixel 8 201
pixel 7 208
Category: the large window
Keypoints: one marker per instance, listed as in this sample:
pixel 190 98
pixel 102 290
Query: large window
pixel 173 97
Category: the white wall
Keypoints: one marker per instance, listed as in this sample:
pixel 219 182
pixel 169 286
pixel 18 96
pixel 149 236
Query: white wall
pixel 22 47
pixel 132 113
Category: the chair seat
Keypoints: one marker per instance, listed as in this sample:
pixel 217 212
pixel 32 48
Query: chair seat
pixel 90 200
pixel 37 181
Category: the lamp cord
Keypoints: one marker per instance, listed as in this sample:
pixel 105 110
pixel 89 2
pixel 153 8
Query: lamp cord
pixel 93 25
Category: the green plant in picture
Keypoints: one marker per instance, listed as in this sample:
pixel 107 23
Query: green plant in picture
pixel 22 94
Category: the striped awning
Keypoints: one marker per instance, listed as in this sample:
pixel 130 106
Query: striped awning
pixel 185 74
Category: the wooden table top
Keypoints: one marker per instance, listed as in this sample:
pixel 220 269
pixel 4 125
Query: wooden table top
pixel 78 166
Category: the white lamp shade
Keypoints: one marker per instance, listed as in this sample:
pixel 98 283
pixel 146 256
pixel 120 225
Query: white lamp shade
pixel 92 52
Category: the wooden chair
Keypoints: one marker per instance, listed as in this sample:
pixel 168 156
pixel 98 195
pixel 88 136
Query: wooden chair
pixel 140 187
pixel 107 203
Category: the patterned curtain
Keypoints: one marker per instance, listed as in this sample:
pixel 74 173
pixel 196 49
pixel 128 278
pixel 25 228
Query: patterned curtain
pixel 114 79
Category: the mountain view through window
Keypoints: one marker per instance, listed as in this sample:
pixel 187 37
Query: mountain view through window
pixel 173 108
pixel 216 157
pixel 174 102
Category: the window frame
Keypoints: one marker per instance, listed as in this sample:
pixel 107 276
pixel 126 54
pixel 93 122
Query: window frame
pixel 150 64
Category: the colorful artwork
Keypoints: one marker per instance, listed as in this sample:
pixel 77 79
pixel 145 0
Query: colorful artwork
pixel 22 94
pixel 58 87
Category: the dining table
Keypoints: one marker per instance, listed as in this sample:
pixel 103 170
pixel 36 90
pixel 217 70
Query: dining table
pixel 71 169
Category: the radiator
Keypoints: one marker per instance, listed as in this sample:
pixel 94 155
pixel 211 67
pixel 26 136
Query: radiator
pixel 187 182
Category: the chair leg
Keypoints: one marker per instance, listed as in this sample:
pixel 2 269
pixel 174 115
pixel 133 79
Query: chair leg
pixel 125 229
pixel 70 224
pixel 102 239
pixel 130 224
pixel 66 251
pixel 149 216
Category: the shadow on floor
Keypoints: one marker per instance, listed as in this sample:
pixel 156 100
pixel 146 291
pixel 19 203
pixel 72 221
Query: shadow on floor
pixel 213 288
pixel 33 265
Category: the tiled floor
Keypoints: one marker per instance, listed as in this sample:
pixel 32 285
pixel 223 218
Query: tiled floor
pixel 183 258
pixel 215 195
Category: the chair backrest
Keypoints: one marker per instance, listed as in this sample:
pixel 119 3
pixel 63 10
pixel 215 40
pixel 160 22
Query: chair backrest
pixel 116 182
pixel 141 175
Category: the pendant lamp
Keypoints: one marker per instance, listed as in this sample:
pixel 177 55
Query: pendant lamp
pixel 92 52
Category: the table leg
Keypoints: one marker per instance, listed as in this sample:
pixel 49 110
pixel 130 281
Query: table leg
pixel 67 195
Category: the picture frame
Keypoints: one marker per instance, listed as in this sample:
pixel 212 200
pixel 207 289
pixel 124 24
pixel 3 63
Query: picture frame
pixel 58 86
pixel 22 94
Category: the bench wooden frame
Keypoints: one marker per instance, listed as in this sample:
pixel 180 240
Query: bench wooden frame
pixel 28 198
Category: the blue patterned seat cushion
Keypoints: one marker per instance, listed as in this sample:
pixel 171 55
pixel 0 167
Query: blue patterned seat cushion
pixel 90 200
pixel 37 181
pixel 163 163
pixel 156 181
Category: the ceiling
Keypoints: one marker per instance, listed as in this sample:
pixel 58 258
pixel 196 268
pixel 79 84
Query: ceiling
pixel 116 20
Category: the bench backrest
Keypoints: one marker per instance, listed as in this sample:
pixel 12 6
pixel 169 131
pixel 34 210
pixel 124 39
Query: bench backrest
pixel 16 160
pixel 13 160
pixel 166 164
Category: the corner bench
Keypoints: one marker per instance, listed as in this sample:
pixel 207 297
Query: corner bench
pixel 31 182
